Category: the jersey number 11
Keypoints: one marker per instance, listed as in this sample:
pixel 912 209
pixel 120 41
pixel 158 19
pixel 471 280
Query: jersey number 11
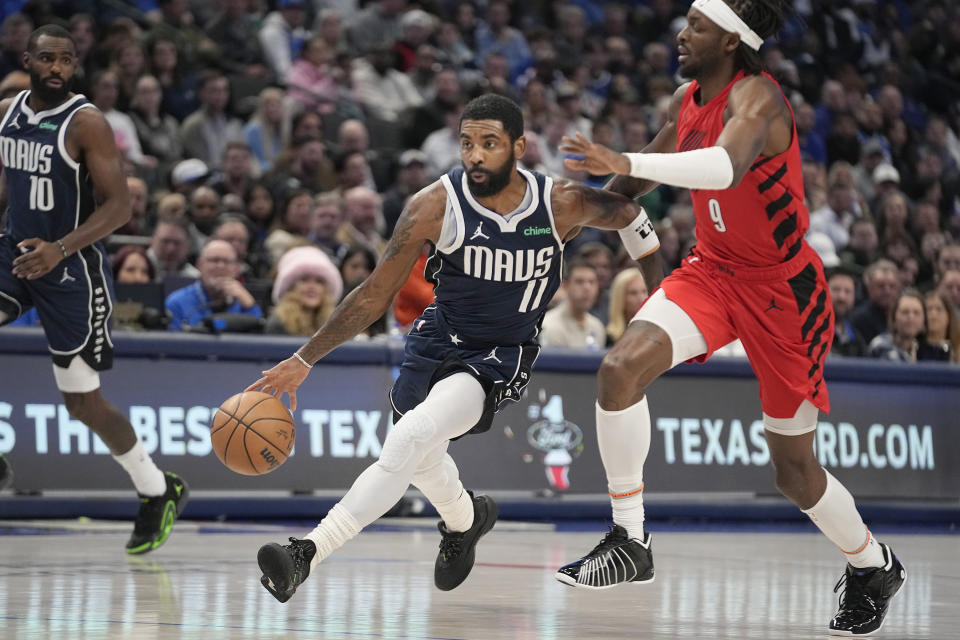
pixel 528 293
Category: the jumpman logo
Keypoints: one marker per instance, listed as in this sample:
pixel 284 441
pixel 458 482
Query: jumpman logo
pixel 773 305
pixel 479 233
pixel 493 356
pixel 67 277
pixel 15 123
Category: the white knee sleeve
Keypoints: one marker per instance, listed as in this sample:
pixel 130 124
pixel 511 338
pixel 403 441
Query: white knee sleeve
pixel 803 421
pixel 416 427
pixel 685 337
pixel 451 408
pixel 79 377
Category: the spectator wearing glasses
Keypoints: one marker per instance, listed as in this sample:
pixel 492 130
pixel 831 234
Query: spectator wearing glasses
pixel 217 290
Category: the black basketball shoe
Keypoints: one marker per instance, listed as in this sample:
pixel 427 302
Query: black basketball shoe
pixel 458 548
pixel 157 514
pixel 866 596
pixel 617 559
pixel 6 473
pixel 285 567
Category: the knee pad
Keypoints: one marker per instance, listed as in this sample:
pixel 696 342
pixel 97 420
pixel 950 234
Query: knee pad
pixel 414 433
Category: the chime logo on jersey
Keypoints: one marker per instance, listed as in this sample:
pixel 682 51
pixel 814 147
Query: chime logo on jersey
pixel 502 265
pixel 537 231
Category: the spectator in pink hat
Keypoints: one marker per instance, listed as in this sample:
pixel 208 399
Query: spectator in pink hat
pixel 305 292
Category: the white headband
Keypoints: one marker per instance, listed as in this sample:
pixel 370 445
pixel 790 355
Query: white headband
pixel 727 19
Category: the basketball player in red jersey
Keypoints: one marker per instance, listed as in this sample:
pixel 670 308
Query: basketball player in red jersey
pixel 730 138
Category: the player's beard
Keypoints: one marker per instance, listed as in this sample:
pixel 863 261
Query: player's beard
pixel 688 71
pixel 496 182
pixel 46 93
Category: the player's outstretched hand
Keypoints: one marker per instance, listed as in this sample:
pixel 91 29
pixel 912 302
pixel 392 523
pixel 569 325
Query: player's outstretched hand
pixel 38 257
pixel 283 378
pixel 583 155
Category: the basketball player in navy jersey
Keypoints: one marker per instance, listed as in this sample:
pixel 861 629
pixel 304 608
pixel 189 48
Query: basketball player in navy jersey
pixel 497 233
pixel 731 139
pixel 64 191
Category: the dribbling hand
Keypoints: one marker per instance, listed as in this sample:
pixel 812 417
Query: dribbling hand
pixel 593 158
pixel 283 378
pixel 38 258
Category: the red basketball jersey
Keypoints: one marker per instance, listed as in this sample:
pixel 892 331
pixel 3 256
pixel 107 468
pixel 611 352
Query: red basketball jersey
pixel 760 222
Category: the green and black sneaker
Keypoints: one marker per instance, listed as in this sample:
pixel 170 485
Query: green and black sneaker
pixel 285 566
pixel 157 514
pixel 6 473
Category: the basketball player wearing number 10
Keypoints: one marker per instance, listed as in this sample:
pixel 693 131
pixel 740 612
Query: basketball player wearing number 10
pixel 497 234
pixel 58 156
pixel 730 138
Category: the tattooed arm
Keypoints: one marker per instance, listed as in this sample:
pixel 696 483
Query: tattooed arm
pixel 420 221
pixel 576 205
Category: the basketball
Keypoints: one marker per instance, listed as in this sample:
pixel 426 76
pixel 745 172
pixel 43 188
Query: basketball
pixel 252 433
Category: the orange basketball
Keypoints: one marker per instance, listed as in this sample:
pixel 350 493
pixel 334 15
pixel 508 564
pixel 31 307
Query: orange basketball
pixel 252 433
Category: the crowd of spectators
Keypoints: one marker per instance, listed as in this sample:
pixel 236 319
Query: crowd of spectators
pixel 271 145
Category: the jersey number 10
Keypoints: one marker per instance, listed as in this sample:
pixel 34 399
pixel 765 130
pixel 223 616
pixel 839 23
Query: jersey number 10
pixel 41 193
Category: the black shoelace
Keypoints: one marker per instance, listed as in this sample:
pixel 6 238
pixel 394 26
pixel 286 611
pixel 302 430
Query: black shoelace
pixel 147 516
pixel 854 596
pixel 612 539
pixel 300 550
pixel 450 544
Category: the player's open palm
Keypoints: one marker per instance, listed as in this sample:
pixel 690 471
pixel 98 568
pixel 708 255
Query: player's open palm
pixel 285 377
pixel 593 158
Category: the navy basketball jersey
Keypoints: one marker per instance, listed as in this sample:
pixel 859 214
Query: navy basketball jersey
pixel 493 275
pixel 48 193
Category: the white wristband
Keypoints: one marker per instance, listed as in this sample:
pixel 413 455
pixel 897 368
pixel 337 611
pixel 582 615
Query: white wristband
pixel 708 168
pixel 639 238
pixel 302 361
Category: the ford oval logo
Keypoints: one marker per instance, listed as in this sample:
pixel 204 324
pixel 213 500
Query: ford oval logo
pixel 547 436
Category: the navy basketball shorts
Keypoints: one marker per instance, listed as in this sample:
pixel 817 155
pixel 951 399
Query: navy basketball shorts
pixel 434 352
pixel 73 302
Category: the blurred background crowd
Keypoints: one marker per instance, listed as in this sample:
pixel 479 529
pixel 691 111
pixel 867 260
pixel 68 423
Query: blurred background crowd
pixel 270 147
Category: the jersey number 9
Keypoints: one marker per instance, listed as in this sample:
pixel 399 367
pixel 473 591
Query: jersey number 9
pixel 716 215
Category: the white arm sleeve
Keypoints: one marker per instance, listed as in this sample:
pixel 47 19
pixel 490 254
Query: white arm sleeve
pixel 708 168
pixel 639 237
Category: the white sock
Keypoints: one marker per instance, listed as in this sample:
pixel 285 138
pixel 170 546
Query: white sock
pixel 147 478
pixel 457 515
pixel 624 441
pixel 332 533
pixel 438 479
pixel 837 517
